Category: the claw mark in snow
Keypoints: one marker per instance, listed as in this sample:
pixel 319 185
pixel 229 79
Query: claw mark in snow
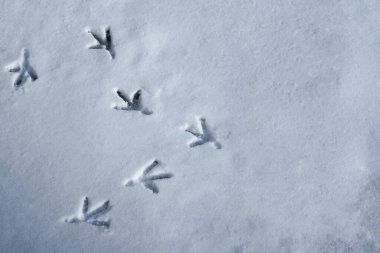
pixel 103 43
pixel 23 69
pixel 146 179
pixel 130 105
pixel 203 137
pixel 91 217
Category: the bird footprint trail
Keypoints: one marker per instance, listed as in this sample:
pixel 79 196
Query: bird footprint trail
pixel 145 177
pixel 103 43
pixel 90 217
pixel 23 69
pixel 130 105
pixel 205 136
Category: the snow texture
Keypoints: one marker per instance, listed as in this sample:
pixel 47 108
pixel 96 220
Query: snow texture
pixel 290 89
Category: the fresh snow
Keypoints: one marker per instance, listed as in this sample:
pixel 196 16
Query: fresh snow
pixel 289 89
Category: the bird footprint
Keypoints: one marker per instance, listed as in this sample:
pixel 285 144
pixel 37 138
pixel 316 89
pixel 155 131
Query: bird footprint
pixel 103 43
pixel 23 68
pixel 134 104
pixel 145 177
pixel 90 217
pixel 204 136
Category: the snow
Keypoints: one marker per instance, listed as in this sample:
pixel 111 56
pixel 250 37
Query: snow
pixel 290 89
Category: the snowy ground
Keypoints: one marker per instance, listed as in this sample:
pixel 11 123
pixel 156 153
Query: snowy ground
pixel 289 88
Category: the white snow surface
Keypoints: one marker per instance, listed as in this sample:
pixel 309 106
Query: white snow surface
pixel 290 88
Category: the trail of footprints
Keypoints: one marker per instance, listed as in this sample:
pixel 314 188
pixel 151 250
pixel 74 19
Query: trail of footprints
pixel 145 176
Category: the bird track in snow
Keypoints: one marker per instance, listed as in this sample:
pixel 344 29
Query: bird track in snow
pixel 103 43
pixel 203 136
pixel 90 217
pixel 23 69
pixel 145 178
pixel 134 104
